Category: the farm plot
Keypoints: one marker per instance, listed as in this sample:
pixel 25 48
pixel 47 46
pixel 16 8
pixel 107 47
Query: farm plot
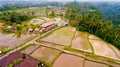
pixel 61 36
pixel 81 42
pixel 45 54
pixel 101 48
pixel 94 64
pixel 67 60
pixel 9 40
pixel 30 49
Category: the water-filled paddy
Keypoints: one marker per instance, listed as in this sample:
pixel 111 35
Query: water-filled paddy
pixel 81 42
pixel 47 54
pixel 67 60
pixel 61 36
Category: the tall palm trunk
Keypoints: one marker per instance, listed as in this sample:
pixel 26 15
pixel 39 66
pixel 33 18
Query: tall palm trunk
pixel 105 37
pixel 116 36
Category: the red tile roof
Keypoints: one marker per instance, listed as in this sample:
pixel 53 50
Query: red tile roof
pixel 47 24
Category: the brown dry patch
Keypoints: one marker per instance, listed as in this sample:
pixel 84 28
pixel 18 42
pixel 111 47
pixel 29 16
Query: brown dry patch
pixel 30 49
pixel 61 36
pixel 47 54
pixel 117 51
pixel 11 41
pixel 94 64
pixel 67 60
pixel 80 42
pixel 102 48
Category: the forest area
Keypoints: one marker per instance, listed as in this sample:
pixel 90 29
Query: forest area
pixel 88 18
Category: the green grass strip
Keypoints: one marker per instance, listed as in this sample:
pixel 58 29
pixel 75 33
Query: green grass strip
pixel 90 44
pixel 56 57
pixel 93 57
pixel 23 48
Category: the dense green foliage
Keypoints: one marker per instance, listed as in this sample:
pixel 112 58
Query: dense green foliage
pixel 109 10
pixel 92 22
pixel 13 5
pixel 52 14
pixel 13 17
pixel 16 61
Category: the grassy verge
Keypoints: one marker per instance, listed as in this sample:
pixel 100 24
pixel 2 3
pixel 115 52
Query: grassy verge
pixel 29 39
pixel 4 51
pixel 90 44
pixel 50 43
pixel 95 58
pixel 72 38
pixel 56 57
pixel 48 64
pixel 23 48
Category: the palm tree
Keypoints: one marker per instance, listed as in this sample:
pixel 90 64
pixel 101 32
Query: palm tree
pixel 117 32
pixel 94 20
pixel 106 29
pixel 52 14
pixel 20 29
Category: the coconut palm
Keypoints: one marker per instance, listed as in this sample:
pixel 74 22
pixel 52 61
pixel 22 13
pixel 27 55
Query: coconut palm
pixel 52 15
pixel 117 32
pixel 106 29
pixel 20 29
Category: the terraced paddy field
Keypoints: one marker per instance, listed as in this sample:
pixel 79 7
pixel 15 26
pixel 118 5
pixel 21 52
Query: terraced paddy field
pixel 94 64
pixel 61 37
pixel 10 41
pixel 45 54
pixel 67 47
pixel 80 42
pixel 102 48
pixel 30 49
pixel 67 60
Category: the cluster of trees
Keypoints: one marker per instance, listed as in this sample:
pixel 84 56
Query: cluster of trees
pixel 110 11
pixel 22 29
pixel 12 17
pixel 13 5
pixel 4 8
pixel 92 22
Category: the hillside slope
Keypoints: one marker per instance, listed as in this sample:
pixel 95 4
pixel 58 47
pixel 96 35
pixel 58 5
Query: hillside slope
pixel 68 47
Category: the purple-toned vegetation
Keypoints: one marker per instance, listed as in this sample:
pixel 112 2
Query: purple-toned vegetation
pixel 25 62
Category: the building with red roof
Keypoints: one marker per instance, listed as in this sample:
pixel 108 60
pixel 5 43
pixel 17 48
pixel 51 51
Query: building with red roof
pixel 48 26
pixel 1 24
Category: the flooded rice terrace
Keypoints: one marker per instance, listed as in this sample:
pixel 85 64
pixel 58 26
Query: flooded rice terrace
pixel 59 39
pixel 10 41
